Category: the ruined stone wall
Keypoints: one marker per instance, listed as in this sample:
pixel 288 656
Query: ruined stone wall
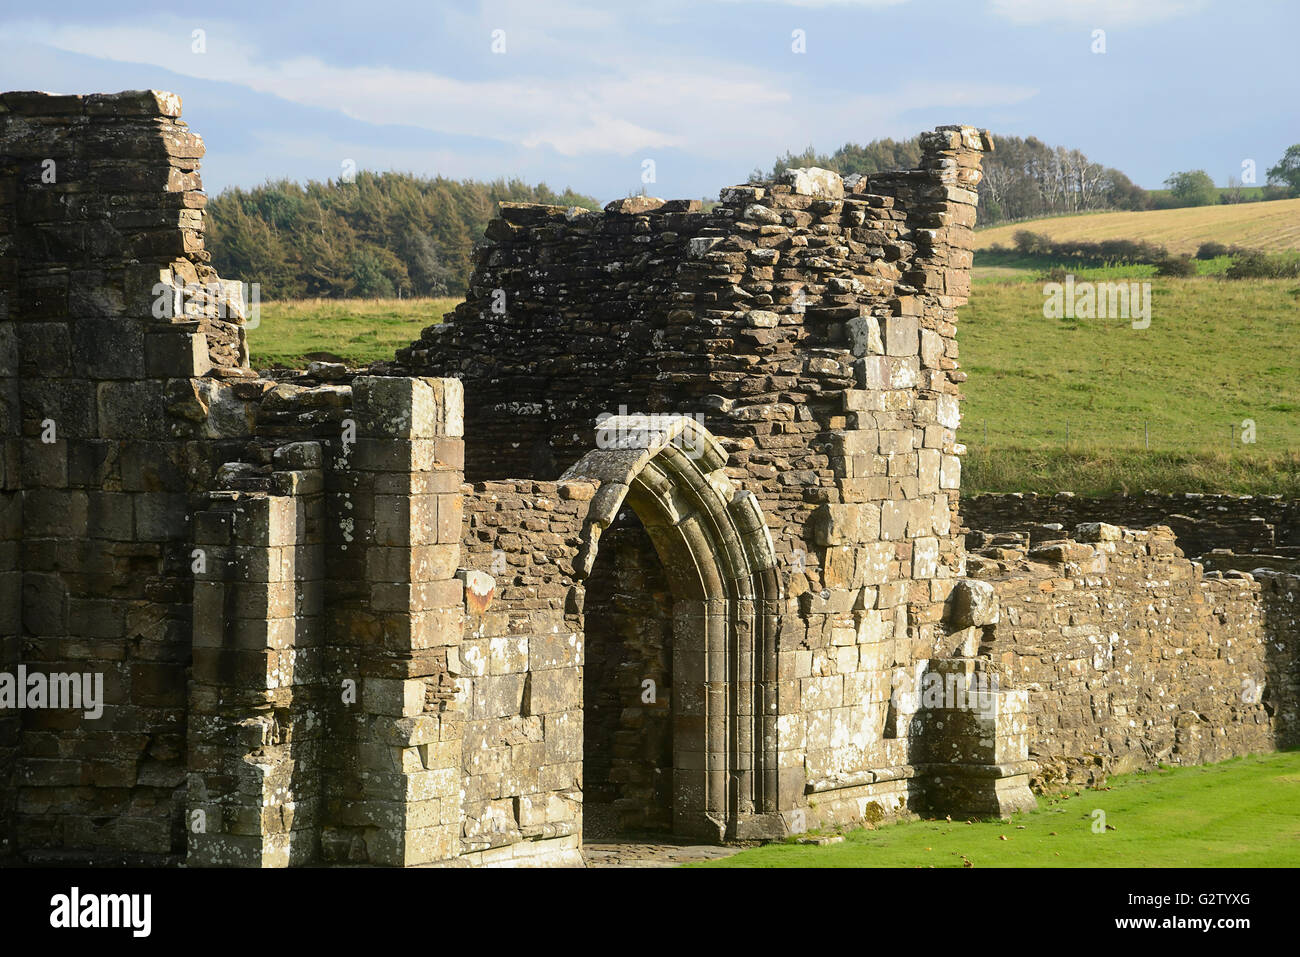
pixel 262 591
pixel 566 315
pixel 1132 657
pixel 326 727
pixel 1280 601
pixel 319 645
pixel 520 672
pixel 286 772
pixel 262 570
pixel 1279 612
pixel 100 225
pixel 807 323
pixel 1242 523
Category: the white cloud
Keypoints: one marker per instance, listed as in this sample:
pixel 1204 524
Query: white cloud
pixel 826 3
pixel 866 116
pixel 606 109
pixel 613 99
pixel 1095 13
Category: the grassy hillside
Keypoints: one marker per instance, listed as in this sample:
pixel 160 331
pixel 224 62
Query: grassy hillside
pixel 1161 407
pixel 1249 194
pixel 1272 226
pixel 1241 813
pixel 291 333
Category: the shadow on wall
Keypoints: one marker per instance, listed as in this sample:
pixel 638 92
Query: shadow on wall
pixel 627 687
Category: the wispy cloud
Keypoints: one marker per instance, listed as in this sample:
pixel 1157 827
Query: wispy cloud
pixel 709 89
pixel 1095 13
pixel 621 105
pixel 825 3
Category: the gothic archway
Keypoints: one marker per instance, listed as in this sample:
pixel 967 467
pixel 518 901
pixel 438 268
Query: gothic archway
pixel 717 551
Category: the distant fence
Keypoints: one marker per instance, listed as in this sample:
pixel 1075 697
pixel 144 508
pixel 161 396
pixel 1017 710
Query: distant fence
pixel 1152 435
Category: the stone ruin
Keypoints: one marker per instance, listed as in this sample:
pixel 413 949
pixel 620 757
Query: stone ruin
pixel 658 532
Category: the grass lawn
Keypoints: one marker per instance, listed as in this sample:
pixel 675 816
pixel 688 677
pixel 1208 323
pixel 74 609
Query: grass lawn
pixel 1241 813
pixel 292 332
pixel 1274 226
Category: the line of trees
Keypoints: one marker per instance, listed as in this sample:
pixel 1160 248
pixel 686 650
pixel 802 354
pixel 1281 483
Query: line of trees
pixel 1244 262
pixel 396 234
pixel 1196 188
pixel 1024 178
pixel 384 234
pixel 877 156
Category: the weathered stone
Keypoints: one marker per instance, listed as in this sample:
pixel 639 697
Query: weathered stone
pixel 634 205
pixel 974 604
pixel 813 181
pixel 714 623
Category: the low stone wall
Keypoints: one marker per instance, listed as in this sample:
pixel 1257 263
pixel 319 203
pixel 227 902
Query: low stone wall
pixel 1280 595
pixel 1133 657
pixel 1243 523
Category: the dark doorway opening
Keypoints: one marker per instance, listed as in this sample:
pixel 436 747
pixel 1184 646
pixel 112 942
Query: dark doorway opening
pixel 627 687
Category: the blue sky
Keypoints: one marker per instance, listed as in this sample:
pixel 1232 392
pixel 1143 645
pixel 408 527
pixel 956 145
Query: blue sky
pixel 585 92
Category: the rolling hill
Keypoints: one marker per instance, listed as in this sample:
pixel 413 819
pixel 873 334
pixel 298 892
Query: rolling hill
pixel 1272 226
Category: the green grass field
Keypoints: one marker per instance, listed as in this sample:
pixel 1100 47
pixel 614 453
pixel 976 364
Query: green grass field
pixel 1248 193
pixel 1241 813
pixel 1002 265
pixel 1272 226
pixel 359 331
pixel 1161 407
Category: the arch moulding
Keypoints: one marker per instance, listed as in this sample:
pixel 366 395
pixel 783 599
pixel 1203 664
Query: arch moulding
pixel 717 550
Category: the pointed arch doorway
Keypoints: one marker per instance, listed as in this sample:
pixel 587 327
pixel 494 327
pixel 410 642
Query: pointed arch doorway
pixel 720 565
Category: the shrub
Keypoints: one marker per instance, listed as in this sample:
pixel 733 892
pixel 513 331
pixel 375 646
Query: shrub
pixel 1249 264
pixel 1180 266
pixel 1149 252
pixel 1028 242
pixel 1193 188
pixel 1211 250
pixel 1118 250
pixel 1257 264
